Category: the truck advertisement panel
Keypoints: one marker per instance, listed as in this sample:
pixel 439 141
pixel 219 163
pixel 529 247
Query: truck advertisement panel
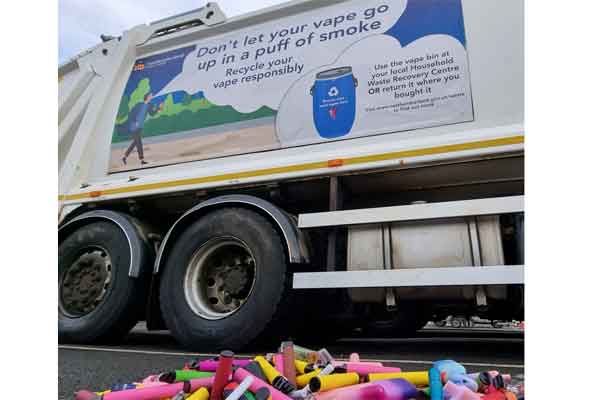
pixel 353 69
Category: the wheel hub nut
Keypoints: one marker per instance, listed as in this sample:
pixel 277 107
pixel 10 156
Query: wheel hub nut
pixel 85 282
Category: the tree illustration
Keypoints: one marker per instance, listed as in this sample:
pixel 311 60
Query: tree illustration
pixel 137 96
pixel 169 106
pixel 123 108
pixel 187 99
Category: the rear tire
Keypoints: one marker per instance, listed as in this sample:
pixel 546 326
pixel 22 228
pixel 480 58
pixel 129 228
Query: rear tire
pixel 98 301
pixel 260 289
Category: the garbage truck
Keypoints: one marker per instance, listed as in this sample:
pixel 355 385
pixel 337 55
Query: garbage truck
pixel 300 171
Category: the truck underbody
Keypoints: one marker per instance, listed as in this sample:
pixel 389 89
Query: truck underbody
pixel 383 310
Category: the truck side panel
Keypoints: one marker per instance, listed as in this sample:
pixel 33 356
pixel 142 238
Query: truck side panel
pixel 497 93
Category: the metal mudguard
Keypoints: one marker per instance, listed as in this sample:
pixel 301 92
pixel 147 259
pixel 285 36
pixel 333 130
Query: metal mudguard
pixel 296 244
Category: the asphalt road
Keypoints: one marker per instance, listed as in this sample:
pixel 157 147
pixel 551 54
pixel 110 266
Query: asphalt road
pixel 144 353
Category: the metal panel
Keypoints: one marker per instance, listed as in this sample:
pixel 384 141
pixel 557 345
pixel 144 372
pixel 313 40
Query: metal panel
pixel 465 242
pixel 413 277
pixel 424 244
pixel 201 14
pixel 440 243
pixel 497 205
pixel 291 165
pixel 488 35
pixel 490 240
pixel 69 97
pixel 475 245
pixel 365 247
pixel 366 251
pixel 98 113
pixel 335 203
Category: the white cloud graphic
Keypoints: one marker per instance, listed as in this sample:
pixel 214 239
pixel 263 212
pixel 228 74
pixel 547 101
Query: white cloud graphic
pixel 249 95
pixel 295 117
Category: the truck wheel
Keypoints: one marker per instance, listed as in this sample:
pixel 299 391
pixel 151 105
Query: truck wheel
pixel 226 281
pixel 97 300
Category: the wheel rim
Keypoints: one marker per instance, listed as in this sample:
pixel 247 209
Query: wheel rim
pixel 84 285
pixel 220 278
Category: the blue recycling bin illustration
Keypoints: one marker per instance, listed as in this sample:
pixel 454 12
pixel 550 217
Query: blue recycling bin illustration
pixel 334 102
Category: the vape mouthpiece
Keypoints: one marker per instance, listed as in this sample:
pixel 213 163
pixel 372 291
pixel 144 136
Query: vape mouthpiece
pixel 283 385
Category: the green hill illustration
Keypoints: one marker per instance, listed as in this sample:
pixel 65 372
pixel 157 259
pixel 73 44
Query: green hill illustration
pixel 181 112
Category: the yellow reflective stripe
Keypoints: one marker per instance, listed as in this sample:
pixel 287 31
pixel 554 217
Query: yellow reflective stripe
pixel 303 167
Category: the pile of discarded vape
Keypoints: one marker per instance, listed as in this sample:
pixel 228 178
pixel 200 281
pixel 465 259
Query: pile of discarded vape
pixel 297 373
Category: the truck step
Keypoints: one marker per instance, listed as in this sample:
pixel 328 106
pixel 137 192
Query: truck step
pixel 412 277
pixel 413 212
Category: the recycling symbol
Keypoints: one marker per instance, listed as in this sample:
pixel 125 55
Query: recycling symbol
pixel 333 92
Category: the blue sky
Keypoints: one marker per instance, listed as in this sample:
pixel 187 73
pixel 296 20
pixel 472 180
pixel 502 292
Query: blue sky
pixel 81 22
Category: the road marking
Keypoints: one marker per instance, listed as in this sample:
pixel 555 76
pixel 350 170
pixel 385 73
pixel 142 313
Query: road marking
pixel 173 353
pixel 153 352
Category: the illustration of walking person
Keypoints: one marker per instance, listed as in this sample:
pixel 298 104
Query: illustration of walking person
pixel 135 125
